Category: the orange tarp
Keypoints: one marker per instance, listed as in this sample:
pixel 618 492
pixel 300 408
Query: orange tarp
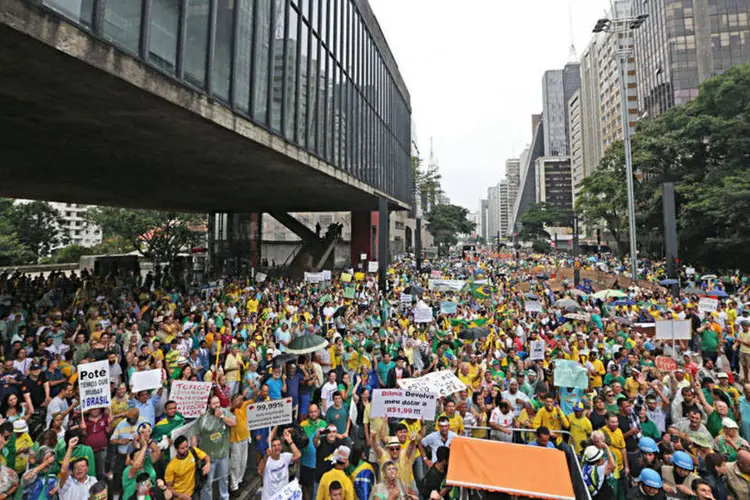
pixel 509 468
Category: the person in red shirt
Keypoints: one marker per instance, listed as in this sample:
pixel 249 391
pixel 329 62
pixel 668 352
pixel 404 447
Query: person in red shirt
pixel 97 425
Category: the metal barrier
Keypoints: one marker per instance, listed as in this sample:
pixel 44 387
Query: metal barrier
pixel 579 485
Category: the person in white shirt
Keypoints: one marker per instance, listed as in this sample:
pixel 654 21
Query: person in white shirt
pixel 274 468
pixel 517 399
pixel 327 392
pixel 501 421
pixel 77 486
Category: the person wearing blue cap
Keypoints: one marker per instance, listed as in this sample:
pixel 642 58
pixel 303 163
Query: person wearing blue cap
pixel 679 477
pixel 649 486
pixel 580 426
pixel 647 456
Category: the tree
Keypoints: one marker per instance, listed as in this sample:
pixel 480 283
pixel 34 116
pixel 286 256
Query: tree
pixel 603 195
pixel 446 222
pixel 535 218
pixel 157 235
pixel 426 182
pixel 36 225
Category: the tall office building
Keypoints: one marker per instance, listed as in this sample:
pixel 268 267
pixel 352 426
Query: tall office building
pixel 483 216
pixel 609 49
pixel 558 86
pixel 683 43
pixel 503 207
pixel 513 176
pixel 553 182
pixel 591 128
pixel 576 142
pixel 527 185
pixel 493 212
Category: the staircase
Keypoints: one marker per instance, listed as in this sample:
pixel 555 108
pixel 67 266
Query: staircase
pixel 313 254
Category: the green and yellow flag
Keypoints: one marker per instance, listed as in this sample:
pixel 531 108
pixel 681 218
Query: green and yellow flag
pixel 481 291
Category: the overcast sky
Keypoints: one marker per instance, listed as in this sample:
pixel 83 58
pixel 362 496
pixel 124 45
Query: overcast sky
pixel 474 70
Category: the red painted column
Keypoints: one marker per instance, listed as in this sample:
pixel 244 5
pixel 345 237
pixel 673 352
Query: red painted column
pixel 361 236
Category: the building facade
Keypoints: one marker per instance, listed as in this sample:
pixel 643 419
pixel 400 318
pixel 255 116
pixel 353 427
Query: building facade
pixel 75 224
pixel 513 176
pixel 558 86
pixel 590 107
pixel 553 182
pixel 483 219
pixel 683 43
pixel 504 207
pixel 493 212
pixel 576 142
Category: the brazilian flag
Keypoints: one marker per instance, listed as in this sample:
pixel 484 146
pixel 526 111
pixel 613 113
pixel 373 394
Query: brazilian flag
pixel 474 323
pixel 481 291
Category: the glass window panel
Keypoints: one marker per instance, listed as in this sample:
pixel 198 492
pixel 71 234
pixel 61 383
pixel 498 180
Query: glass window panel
pixel 322 106
pixel 165 22
pixel 330 105
pixel 306 84
pixel 196 41
pixel 79 11
pixel 242 55
pixel 277 85
pixel 262 59
pixel 314 15
pixel 291 66
pixel 122 23
pixel 222 66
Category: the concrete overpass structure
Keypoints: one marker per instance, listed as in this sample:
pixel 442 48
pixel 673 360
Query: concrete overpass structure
pixel 241 106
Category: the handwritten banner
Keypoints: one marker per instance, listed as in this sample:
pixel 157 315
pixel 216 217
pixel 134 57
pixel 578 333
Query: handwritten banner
pixel 708 305
pixel 422 314
pixel 314 277
pixel 191 397
pixel 93 381
pixel 269 414
pixel 665 364
pixel 400 403
pixel 372 266
pixel 447 285
pixel 291 491
pixel 442 383
pixel 537 350
pixel 346 277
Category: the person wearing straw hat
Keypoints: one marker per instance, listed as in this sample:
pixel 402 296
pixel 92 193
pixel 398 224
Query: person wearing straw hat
pixel 598 463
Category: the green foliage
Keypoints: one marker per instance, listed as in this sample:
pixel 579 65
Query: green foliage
pixel 446 222
pixel 35 226
pixel 703 147
pixel 73 253
pixel 155 234
pixel 426 182
pixel 536 217
pixel 603 195
pixel 541 246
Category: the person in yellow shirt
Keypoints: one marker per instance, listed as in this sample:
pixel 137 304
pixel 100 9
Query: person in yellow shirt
pixel 597 371
pixel 551 417
pixel 580 427
pixel 340 459
pixel 456 421
pixel 238 439
pixel 252 305
pixel 232 369
pixel 616 441
pixel 180 472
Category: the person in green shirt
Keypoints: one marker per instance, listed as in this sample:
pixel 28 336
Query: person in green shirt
pixel 709 342
pixel 648 427
pixel 132 471
pixel 614 376
pixel 172 420
pixel 80 450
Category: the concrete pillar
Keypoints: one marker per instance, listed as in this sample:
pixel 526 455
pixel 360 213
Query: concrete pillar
pixel 384 224
pixel 361 237
pixel 418 244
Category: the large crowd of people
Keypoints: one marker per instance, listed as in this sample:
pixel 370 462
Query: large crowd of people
pixel 655 418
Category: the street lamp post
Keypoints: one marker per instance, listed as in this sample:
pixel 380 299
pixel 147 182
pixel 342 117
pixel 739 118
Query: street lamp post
pixel 618 26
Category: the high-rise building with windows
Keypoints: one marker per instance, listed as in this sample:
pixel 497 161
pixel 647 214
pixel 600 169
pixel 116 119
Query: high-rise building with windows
pixel 483 215
pixel 503 206
pixel 558 86
pixel 683 43
pixel 513 176
pixel 493 212
pixel 576 142
pixel 75 224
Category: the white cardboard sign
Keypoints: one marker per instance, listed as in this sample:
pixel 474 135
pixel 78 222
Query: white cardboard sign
pixel 537 350
pixel 708 305
pixel 442 383
pixel 400 403
pixel 422 314
pixel 674 329
pixel 406 298
pixel 93 382
pixel 533 306
pixel 269 414
pixel 145 380
pixel 187 430
pixel 314 277
pixel 191 397
pixel 291 491
pixel 372 266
